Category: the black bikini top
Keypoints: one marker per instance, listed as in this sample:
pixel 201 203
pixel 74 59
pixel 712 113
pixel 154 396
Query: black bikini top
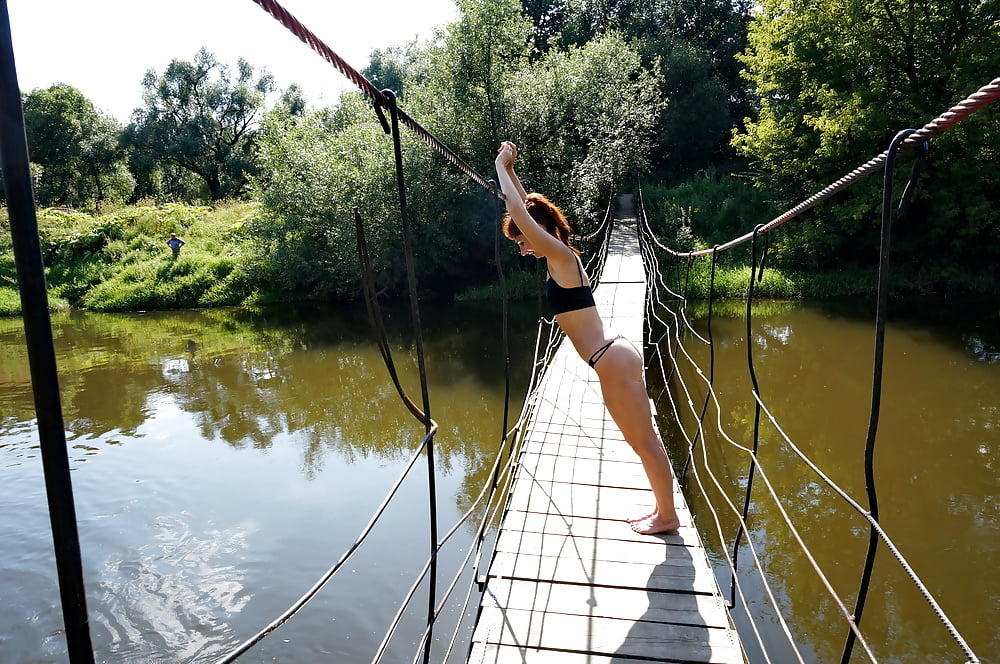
pixel 569 299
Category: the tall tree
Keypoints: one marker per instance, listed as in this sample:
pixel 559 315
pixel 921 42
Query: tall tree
pixel 586 118
pixel 395 67
pixel 691 44
pixel 76 147
pixel 470 68
pixel 199 119
pixel 836 79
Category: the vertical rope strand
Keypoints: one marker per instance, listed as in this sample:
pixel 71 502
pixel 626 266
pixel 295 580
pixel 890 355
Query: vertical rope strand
pixel 879 355
pixel 418 336
pixel 756 416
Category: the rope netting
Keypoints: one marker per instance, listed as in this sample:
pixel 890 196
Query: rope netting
pixel 691 389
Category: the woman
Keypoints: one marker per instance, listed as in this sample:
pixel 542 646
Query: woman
pixel 540 230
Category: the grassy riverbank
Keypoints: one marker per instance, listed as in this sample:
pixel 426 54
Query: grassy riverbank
pixel 119 261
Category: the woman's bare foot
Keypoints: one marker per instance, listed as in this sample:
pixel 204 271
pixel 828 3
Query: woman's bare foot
pixel 643 517
pixel 654 524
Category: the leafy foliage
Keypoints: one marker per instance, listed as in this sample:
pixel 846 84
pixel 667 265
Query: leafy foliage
pixel 836 79
pixel 585 118
pixel 690 45
pixel 196 118
pixel 76 149
pixel 713 207
pixel 594 93
pixel 119 261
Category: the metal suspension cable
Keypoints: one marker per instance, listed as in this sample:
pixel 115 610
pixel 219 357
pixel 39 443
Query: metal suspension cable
pixel 423 414
pixel 737 512
pixel 675 371
pixel 711 371
pixel 505 305
pixel 376 320
pixel 974 102
pixel 418 333
pixel 506 473
pixel 379 98
pixel 882 534
pixel 647 232
pixel 879 353
pixel 499 472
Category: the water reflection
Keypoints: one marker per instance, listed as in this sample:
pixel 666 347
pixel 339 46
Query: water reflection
pixel 223 459
pixel 247 378
pixel 165 596
pixel 936 454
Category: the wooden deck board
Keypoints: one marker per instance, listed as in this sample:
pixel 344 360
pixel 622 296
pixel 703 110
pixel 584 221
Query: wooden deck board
pixel 610 636
pixel 620 603
pixel 570 582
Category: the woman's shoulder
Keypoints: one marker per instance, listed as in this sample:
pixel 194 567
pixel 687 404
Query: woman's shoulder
pixel 565 267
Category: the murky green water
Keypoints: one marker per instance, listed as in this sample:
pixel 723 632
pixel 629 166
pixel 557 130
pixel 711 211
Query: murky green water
pixel 936 462
pixel 223 460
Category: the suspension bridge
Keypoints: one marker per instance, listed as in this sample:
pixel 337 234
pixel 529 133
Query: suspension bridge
pixel 569 581
pixel 563 579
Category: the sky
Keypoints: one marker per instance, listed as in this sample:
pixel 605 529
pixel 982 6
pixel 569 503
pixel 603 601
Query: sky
pixel 105 47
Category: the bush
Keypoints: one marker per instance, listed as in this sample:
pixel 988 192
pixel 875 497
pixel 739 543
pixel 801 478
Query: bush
pixel 10 302
pixel 711 208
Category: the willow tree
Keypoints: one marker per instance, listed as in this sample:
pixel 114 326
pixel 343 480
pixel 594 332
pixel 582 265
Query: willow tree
pixel 198 118
pixel 586 118
pixel 75 147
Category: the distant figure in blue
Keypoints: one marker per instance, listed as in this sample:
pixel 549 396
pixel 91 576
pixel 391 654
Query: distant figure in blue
pixel 540 229
pixel 175 244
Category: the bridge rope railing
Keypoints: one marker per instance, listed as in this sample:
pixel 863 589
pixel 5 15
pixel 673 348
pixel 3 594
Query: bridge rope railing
pixel 680 361
pixel 971 104
pixel 488 502
pixel 676 355
pixel 379 98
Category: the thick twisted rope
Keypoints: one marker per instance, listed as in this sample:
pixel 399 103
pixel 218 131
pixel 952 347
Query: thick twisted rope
pixel 377 97
pixel 982 97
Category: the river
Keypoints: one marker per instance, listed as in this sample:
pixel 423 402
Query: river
pixel 936 460
pixel 224 459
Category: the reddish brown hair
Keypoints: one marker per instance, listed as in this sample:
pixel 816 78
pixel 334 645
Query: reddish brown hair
pixel 547 214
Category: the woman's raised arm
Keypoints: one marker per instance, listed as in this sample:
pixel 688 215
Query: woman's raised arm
pixel 514 195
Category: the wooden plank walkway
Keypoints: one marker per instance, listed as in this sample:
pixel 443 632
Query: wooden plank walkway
pixel 570 583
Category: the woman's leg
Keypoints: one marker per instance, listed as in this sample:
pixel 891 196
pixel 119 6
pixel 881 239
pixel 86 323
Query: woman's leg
pixel 620 371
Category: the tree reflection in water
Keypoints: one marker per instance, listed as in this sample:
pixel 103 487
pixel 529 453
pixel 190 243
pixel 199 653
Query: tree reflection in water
pixel 224 458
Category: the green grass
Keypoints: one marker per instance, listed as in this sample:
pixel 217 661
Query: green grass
pixel 120 262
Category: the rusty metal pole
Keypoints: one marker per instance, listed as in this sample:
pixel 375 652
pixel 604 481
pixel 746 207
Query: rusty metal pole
pixel 41 352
